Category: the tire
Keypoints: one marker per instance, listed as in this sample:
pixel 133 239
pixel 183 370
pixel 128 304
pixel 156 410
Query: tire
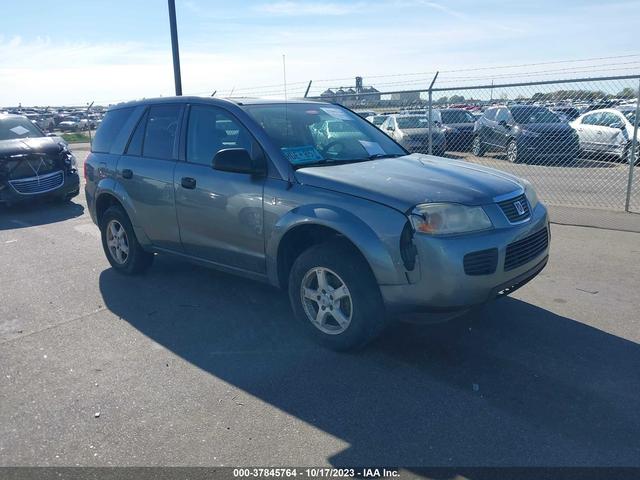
pixel 626 156
pixel 361 306
pixel 477 148
pixel 513 156
pixel 136 260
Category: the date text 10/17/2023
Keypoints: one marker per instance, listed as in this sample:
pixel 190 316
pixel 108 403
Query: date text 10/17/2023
pixel 315 472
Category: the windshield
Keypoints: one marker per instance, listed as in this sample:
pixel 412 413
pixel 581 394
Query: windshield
pixel 309 133
pixel 413 122
pixel 456 116
pixel 631 116
pixel 18 127
pixel 534 115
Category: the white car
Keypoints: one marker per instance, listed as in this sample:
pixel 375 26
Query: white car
pixel 377 120
pixel 608 131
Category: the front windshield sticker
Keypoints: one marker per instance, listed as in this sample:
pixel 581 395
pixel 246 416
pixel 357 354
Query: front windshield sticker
pixel 372 148
pixel 301 155
pixel 19 130
pixel 337 113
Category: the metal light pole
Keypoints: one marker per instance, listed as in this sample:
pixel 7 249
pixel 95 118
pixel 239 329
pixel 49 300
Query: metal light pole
pixel 174 47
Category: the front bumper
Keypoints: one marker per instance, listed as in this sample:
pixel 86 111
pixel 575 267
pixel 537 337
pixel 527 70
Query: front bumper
pixel 543 148
pixel 69 188
pixel 441 285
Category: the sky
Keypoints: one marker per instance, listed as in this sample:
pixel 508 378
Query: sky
pixel 74 52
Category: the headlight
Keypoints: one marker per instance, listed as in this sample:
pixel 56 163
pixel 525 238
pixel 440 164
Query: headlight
pixel 530 193
pixel 448 218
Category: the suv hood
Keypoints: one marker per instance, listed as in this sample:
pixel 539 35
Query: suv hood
pixel 22 146
pixel 27 157
pixel 404 182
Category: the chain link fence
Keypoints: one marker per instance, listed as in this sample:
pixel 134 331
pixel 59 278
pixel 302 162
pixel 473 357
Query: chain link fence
pixel 575 140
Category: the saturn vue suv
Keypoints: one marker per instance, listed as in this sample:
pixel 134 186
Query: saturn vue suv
pixel 355 228
pixel 525 133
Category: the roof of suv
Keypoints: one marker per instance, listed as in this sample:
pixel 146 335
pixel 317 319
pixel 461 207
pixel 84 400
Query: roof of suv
pixel 214 101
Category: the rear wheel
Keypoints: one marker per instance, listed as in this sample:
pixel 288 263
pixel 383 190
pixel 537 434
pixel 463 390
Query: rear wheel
pixel 120 243
pixel 627 154
pixel 334 294
pixel 477 148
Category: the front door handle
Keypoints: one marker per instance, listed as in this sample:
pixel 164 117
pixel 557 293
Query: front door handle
pixel 188 182
pixel 126 173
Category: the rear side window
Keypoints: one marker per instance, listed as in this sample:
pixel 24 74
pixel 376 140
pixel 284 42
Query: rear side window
pixel 161 130
pixel 109 129
pixel 135 145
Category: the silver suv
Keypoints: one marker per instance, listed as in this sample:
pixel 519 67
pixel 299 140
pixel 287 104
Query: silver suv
pixel 356 228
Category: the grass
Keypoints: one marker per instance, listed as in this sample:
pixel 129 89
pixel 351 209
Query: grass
pixel 75 137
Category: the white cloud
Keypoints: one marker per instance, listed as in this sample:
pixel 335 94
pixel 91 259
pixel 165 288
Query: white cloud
pixel 290 8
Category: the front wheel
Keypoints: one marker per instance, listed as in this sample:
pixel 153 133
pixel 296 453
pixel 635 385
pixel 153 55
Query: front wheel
pixel 120 243
pixel 335 295
pixel 476 146
pixel 512 152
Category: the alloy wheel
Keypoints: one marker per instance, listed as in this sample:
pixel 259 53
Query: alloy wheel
pixel 476 146
pixel 512 152
pixel 117 242
pixel 326 300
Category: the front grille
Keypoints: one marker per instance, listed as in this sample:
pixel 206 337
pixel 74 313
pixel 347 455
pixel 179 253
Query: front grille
pixel 511 211
pixel 40 184
pixel 525 250
pixel 482 262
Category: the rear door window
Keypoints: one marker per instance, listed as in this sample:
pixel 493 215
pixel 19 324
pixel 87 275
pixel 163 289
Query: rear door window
pixel 591 119
pixel 109 129
pixel 161 131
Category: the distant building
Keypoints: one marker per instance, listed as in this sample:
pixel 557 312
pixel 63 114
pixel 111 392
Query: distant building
pixel 358 94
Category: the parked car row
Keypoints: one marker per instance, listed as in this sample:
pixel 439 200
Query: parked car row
pixel 65 119
pixel 523 132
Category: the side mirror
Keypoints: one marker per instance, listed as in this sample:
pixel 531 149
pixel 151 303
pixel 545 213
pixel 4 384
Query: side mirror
pixel 238 160
pixel 391 128
pixel 618 125
pixel 503 123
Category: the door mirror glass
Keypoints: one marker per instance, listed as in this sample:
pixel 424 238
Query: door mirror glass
pixel 237 160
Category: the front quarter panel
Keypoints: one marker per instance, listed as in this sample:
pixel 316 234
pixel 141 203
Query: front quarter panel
pixel 373 228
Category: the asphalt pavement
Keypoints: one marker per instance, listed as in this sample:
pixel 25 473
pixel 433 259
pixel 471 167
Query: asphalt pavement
pixel 188 366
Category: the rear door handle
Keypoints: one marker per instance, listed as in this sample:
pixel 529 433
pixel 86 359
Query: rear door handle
pixel 188 182
pixel 126 173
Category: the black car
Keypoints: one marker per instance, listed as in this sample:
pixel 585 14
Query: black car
pixel 33 165
pixel 525 132
pixel 458 128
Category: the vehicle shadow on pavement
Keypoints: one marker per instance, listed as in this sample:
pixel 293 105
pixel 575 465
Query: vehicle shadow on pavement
pixel 511 385
pixel 37 213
